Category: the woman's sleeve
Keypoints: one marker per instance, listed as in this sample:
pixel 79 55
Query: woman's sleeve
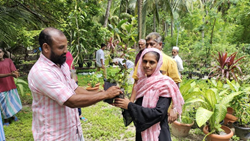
pixel 146 117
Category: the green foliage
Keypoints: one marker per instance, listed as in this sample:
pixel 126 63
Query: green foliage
pixel 240 104
pixel 94 80
pixel 120 77
pixel 85 35
pixel 20 83
pixel 189 92
pixel 214 103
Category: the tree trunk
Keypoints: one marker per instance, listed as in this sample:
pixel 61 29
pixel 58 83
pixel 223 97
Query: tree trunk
pixel 107 13
pixel 172 26
pixel 166 30
pixel 154 22
pixel 140 5
pixel 202 32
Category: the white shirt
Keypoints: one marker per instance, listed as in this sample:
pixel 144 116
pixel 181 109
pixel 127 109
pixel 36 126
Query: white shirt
pixel 128 63
pixel 179 64
pixel 99 56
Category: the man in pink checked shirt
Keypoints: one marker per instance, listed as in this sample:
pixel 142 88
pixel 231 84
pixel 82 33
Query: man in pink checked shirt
pixel 56 96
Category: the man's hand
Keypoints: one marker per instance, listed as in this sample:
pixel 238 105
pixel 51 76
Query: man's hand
pixel 15 74
pixel 113 91
pixel 172 116
pixel 103 67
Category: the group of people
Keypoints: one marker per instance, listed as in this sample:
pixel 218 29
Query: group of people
pixel 154 102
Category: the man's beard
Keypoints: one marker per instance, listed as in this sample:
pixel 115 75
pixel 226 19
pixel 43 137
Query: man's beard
pixel 58 59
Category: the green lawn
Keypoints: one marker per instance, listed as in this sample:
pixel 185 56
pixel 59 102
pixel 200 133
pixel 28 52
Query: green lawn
pixel 104 122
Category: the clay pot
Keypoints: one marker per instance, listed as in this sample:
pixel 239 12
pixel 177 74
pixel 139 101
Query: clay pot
pixel 180 129
pixel 92 89
pixel 96 85
pixel 229 118
pixel 216 137
pixel 230 110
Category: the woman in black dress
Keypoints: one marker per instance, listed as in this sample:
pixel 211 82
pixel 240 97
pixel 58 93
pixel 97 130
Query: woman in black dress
pixel 154 93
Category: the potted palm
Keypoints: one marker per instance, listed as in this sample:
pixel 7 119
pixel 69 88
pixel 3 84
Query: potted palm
pixel 213 109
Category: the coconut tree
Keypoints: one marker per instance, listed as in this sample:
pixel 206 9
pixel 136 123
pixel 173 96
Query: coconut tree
pixel 107 13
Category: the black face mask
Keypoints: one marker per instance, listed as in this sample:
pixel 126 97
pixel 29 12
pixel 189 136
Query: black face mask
pixel 58 59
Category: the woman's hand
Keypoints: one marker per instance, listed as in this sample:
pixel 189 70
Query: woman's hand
pixel 122 103
pixel 172 116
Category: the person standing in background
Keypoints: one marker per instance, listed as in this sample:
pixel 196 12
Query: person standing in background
pixel 10 103
pixel 69 61
pixel 2 136
pixel 178 60
pixel 142 46
pixel 100 60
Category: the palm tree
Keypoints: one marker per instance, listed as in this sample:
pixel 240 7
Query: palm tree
pixel 140 6
pixel 107 13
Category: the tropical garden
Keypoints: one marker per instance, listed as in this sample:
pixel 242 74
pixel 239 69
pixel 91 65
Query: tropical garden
pixel 214 41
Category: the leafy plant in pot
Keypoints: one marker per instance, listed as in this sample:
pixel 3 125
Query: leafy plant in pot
pixel 119 78
pixel 241 107
pixel 182 127
pixel 94 83
pixel 213 108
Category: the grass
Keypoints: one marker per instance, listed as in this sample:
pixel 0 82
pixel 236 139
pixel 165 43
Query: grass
pixel 104 122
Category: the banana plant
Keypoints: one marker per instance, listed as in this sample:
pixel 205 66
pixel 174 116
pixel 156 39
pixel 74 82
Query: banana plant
pixel 20 84
pixel 213 108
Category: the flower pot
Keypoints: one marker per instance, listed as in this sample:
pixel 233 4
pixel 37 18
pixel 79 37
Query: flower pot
pixel 216 137
pixel 92 89
pixel 230 110
pixel 106 86
pixel 229 118
pixel 242 132
pixel 195 125
pixel 96 85
pixel 80 65
pixel 180 129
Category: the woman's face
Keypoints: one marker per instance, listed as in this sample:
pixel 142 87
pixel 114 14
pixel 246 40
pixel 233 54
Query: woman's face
pixel 149 63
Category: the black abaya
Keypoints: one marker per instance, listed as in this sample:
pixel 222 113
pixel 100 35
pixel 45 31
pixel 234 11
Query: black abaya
pixel 144 118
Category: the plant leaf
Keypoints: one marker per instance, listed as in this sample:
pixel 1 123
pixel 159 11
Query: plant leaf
pixel 220 112
pixel 229 98
pixel 210 96
pixel 202 115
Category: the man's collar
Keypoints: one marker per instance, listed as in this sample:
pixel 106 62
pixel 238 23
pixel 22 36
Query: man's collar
pixel 48 61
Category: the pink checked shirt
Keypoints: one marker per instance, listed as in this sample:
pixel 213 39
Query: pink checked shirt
pixel 51 86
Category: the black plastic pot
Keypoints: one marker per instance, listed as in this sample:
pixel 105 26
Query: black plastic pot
pixel 80 65
pixel 89 64
pixel 242 132
pixel 108 85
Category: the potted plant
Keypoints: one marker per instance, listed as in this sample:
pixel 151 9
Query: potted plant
pixel 182 126
pixel 241 107
pixel 94 84
pixel 119 78
pixel 242 126
pixel 213 109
